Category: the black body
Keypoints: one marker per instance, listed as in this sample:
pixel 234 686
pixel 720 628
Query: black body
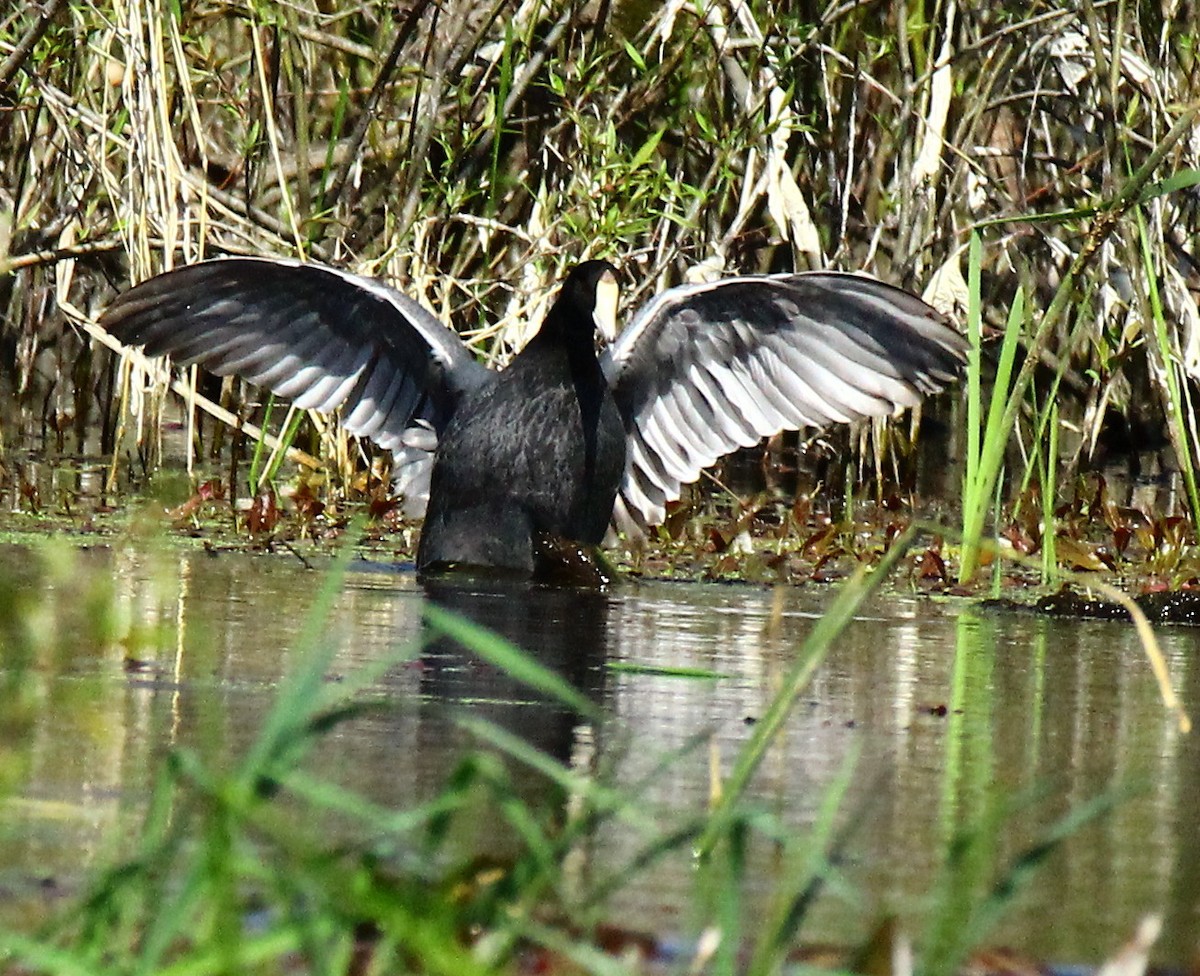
pixel 538 449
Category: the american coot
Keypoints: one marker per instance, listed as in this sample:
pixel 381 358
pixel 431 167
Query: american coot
pixel 562 442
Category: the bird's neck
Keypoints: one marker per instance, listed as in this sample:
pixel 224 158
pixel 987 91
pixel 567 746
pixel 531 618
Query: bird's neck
pixel 575 340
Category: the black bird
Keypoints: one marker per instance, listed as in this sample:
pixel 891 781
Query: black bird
pixel 562 442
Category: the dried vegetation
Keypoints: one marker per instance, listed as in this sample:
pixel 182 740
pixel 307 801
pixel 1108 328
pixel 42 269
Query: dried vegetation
pixel 472 151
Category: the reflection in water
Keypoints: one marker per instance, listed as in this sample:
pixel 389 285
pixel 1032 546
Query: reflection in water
pixel 562 629
pixel 949 712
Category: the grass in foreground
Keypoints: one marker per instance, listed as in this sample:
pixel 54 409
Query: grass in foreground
pixel 233 870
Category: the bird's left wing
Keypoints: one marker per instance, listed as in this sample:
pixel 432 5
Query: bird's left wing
pixel 706 368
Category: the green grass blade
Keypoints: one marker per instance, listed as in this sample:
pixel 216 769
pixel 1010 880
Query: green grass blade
pixel 810 656
pixel 298 700
pixel 985 456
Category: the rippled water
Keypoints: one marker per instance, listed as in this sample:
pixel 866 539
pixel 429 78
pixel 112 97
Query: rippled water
pixel 940 709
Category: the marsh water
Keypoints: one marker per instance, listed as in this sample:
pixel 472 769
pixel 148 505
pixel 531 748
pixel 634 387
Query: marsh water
pixel 937 712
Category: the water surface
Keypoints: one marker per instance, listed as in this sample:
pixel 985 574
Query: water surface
pixel 941 710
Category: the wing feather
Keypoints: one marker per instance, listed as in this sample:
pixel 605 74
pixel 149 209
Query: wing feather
pixel 746 399
pixel 735 425
pixel 669 451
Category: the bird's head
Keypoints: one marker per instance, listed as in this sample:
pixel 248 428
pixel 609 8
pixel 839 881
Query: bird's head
pixel 588 300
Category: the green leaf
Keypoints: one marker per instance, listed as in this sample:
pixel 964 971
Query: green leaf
pixel 662 670
pixel 635 56
pixel 648 147
pixel 1172 184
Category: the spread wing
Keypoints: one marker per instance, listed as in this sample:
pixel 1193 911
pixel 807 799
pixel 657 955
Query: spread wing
pixel 323 338
pixel 704 369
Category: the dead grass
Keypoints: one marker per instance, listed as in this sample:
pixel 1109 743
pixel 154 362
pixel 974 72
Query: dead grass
pixel 472 151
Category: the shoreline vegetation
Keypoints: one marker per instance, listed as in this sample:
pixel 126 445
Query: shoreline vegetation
pixel 1029 170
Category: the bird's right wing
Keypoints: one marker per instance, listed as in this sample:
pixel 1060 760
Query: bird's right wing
pixel 706 368
pixel 321 337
